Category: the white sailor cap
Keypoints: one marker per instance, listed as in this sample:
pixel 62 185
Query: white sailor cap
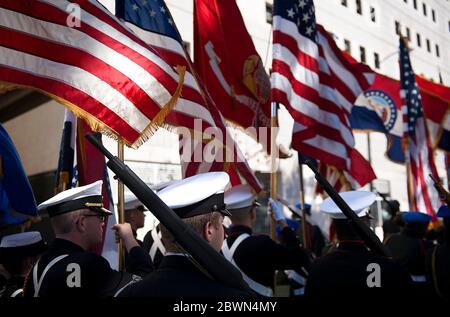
pixel 24 243
pixel 89 196
pixel 240 196
pixel 132 204
pixel 160 186
pixel 197 195
pixel 359 201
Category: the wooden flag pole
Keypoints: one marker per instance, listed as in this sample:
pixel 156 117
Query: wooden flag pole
pixel 121 205
pixel 273 174
pixel 409 180
pixel 305 235
pixel 273 164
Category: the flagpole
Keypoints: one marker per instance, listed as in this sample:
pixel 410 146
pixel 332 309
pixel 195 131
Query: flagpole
pixel 121 204
pixel 409 180
pixel 273 163
pixel 302 200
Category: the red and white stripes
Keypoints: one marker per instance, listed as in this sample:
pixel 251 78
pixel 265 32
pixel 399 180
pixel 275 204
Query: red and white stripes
pixel 99 68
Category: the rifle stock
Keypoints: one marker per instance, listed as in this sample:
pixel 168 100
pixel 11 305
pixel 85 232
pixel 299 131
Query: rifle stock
pixel 209 259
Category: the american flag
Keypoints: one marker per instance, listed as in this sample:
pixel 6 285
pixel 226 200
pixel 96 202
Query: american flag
pixel 153 23
pixel 419 152
pixel 80 54
pixel 318 85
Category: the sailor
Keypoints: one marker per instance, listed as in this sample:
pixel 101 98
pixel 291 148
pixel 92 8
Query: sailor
pixel 199 201
pixel 438 259
pixel 409 248
pixel 70 268
pixel 152 240
pixel 18 253
pixel 258 256
pixel 134 212
pixel 352 268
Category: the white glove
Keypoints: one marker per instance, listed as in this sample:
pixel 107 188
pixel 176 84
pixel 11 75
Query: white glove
pixel 277 209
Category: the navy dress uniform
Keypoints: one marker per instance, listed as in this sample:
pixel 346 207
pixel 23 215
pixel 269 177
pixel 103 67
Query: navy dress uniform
pixel 438 259
pixel 348 268
pixel 66 269
pixel 152 240
pixel 15 251
pixel 177 275
pixel 258 256
pixel 154 246
pixel 409 247
pixel 135 215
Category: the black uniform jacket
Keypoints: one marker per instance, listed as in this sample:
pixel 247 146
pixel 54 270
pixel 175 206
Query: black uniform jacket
pixel 351 269
pixel 438 269
pixel 96 277
pixel 177 276
pixel 12 285
pixel 259 256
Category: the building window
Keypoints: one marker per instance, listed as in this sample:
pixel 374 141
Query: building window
pixel 347 46
pixel 269 13
pixel 415 4
pixel 408 34
pixel 362 54
pixel 358 7
pixel 373 14
pixel 433 15
pixel 344 3
pixel 424 7
pixel 376 60
pixel 428 45
pixel 397 28
pixel 419 40
pixel 437 50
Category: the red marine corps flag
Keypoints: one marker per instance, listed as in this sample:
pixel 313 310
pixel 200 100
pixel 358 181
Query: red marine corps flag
pixel 229 65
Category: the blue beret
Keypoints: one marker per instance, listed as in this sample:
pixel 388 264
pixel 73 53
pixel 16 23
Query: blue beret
pixel 443 212
pixel 416 217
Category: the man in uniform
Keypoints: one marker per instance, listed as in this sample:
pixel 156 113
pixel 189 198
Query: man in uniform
pixel 68 268
pixel 198 200
pixel 18 253
pixel 408 248
pixel 438 259
pixel 258 256
pixel 134 215
pixel 351 268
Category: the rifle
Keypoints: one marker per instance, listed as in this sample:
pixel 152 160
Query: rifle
pixel 209 259
pixel 443 194
pixel 360 228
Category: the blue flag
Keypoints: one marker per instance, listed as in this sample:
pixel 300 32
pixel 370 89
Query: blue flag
pixel 16 195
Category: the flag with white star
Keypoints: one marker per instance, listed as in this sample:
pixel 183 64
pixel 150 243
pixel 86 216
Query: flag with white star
pixel 419 152
pixel 150 15
pixel 318 85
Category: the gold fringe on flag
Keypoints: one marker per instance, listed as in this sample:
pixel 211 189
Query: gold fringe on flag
pixel 98 126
